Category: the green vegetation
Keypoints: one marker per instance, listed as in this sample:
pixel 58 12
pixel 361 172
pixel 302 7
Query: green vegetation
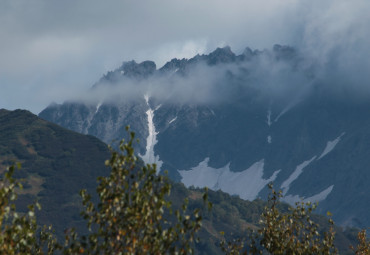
pixel 135 210
pixel 133 215
pixel 292 232
pixel 363 247
pixel 18 231
pixel 56 165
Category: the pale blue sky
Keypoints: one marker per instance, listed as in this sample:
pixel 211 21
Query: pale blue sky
pixel 52 50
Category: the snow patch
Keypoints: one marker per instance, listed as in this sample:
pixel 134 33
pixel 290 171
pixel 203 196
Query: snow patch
pixel 98 106
pixel 159 106
pixel 287 108
pixel 297 172
pixel 247 184
pixel 320 196
pixel 292 199
pixel 269 139
pixel 122 72
pixel 172 120
pixel 269 118
pixel 330 146
pixel 149 157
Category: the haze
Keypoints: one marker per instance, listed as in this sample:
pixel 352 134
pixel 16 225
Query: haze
pixel 53 50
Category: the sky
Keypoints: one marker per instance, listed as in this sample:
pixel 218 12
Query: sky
pixel 52 50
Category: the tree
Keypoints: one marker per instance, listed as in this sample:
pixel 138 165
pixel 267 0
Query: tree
pixel 19 233
pixel 363 247
pixel 293 232
pixel 133 215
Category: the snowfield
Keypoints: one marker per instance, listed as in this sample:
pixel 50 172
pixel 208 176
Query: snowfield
pixel 247 184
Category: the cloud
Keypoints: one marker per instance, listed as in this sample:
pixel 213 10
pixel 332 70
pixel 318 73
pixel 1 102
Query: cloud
pixel 63 47
pixel 262 77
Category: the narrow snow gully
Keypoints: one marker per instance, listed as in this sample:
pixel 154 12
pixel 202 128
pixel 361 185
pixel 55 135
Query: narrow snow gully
pixel 269 123
pixel 98 107
pixel 269 117
pixel 149 157
pixel 297 172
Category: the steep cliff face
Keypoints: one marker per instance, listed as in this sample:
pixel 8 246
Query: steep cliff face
pixel 107 121
pixel 236 122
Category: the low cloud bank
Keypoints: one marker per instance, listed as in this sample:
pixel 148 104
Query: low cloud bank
pixel 52 55
pixel 280 74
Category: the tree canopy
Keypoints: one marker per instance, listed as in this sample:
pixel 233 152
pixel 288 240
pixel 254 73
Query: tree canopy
pixel 133 215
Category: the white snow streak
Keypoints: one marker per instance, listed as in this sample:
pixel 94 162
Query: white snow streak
pixel 292 199
pixel 269 139
pixel 269 117
pixel 287 108
pixel 247 184
pixel 149 156
pixel 320 196
pixel 159 106
pixel 330 146
pixel 172 120
pixel 98 106
pixel 297 172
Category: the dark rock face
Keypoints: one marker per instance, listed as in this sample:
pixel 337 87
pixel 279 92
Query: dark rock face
pixel 174 64
pixel 106 121
pixel 144 69
pixel 311 142
pixel 221 55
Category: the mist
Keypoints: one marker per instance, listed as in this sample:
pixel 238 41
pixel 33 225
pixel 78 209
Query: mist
pixel 54 51
pixel 283 74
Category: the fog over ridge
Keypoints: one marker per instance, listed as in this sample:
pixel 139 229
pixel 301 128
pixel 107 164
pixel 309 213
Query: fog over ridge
pixel 52 55
pixel 283 73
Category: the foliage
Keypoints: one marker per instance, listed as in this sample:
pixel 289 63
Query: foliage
pixel 363 248
pixel 19 232
pixel 285 233
pixel 133 215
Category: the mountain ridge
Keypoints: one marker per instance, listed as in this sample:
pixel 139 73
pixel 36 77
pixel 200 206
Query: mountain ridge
pixel 216 116
pixel 57 163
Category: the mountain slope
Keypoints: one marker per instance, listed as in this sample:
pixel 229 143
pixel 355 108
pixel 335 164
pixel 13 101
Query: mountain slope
pixel 56 165
pixel 236 122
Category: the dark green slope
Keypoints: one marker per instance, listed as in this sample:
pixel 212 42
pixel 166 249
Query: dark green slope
pixel 56 165
pixel 236 217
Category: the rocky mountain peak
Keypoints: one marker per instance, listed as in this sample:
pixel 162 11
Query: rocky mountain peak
pixel 221 55
pixel 133 69
pixel 245 138
pixel 248 54
pixel 174 64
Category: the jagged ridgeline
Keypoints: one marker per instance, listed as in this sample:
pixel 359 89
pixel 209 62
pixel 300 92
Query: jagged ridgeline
pixel 237 122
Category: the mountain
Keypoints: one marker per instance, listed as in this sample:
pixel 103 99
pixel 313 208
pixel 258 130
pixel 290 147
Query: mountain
pixel 237 122
pixel 56 165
